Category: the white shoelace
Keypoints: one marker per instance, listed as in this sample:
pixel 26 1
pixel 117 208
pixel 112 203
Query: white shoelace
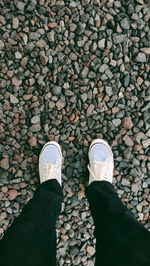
pixel 49 171
pixel 101 171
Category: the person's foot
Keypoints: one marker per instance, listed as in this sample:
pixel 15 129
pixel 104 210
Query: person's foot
pixel 50 161
pixel 101 162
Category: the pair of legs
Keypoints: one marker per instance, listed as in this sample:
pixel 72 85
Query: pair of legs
pixel 120 239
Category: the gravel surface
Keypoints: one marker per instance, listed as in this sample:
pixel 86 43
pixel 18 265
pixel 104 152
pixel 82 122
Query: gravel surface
pixel 73 71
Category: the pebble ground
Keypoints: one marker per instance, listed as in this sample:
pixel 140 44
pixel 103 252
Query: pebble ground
pixel 73 71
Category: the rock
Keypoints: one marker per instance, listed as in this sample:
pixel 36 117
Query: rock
pixel 32 141
pixel 128 141
pixel 101 44
pixel 41 43
pixel 35 119
pixel 18 55
pixel 35 128
pixel 109 73
pixel 20 5
pixel 85 2
pixel 5 163
pixel 118 38
pixel 90 109
pixel 13 194
pixel 91 250
pixel 50 36
pixel 146 143
pixel 52 25
pixel 1 44
pixel 127 123
pixel 24 61
pixel 15 23
pixel 3 216
pixel 60 105
pixel 126 80
pixel 73 4
pixel 125 24
pixel 116 122
pixel 16 81
pixel 125 182
pixel 85 72
pixel 90 263
pixel 56 90
pixel 140 58
pixel 145 50
pixel 103 68
pixel 13 99
pixel 43 58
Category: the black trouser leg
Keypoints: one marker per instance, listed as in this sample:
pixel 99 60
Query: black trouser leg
pixel 31 239
pixel 121 240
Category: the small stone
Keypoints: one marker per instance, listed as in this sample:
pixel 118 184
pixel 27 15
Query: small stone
pixel 20 6
pixel 126 80
pixel 90 263
pixel 146 50
pixel 15 23
pixel 128 141
pixel 127 123
pixel 13 194
pixel 141 58
pixel 60 105
pixel 35 128
pixel 24 61
pixel 135 39
pixel 18 55
pixel 85 72
pixel 50 36
pixel 125 24
pixel 43 58
pixel 16 81
pixel 1 44
pixel 101 43
pixel 115 110
pixel 90 109
pixel 73 4
pixel 35 119
pixel 40 44
pixel 3 216
pixel 2 20
pixel 140 80
pixel 109 91
pixel 52 25
pixel 56 90
pixel 125 182
pixel 32 141
pixel 146 143
pixel 116 122
pixel 85 2
pixel 91 250
pixel 13 99
pixel 103 68
pixel 118 38
pixel 109 74
pixel 5 163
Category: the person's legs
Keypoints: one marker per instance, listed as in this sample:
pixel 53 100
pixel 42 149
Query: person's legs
pixel 31 239
pixel 121 240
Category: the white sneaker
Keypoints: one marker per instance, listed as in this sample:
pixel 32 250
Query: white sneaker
pixel 50 161
pixel 101 162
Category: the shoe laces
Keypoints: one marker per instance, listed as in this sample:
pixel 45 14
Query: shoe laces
pixel 99 170
pixel 50 170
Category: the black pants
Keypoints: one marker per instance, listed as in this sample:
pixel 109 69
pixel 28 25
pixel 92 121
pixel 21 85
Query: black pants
pixel 31 239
